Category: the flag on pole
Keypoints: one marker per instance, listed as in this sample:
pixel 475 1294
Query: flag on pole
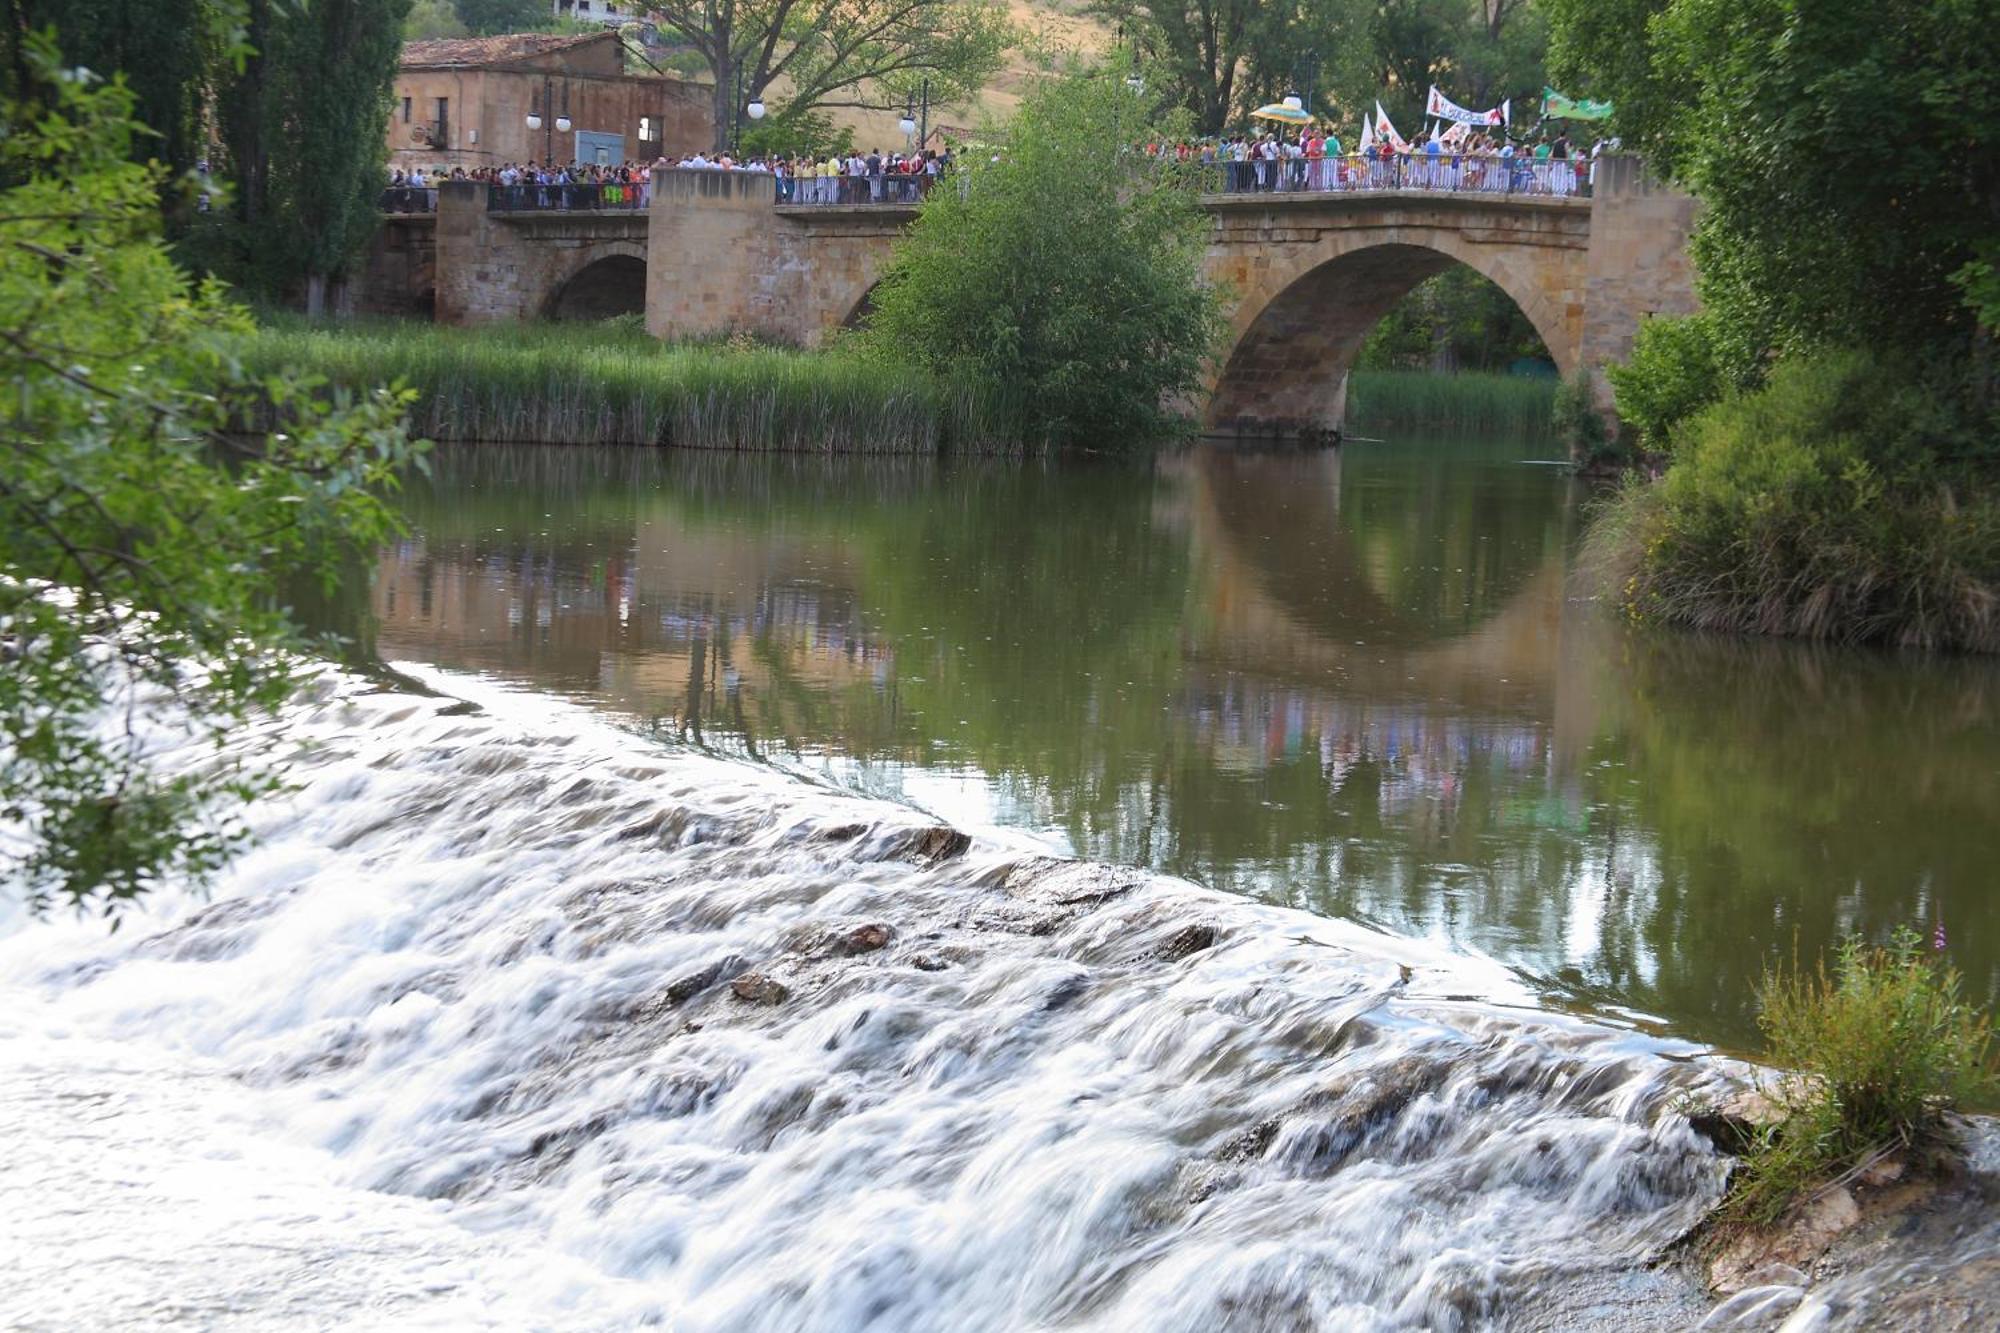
pixel 1367 132
pixel 1385 130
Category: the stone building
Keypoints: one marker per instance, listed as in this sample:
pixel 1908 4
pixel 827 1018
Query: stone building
pixel 465 102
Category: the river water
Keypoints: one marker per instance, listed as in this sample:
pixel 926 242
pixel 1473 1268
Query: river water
pixel 1345 913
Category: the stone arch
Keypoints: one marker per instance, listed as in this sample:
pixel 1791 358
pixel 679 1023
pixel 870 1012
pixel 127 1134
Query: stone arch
pixel 863 306
pixel 610 281
pixel 1296 332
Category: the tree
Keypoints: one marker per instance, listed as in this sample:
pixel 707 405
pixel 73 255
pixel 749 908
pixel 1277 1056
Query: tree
pixel 1066 273
pixel 313 101
pixel 837 53
pixel 1846 155
pixel 145 543
pixel 484 18
pixel 170 52
pixel 431 19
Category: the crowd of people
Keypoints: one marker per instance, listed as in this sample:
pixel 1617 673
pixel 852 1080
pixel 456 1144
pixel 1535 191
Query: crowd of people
pixel 1313 159
pixel 1246 161
pixel 837 178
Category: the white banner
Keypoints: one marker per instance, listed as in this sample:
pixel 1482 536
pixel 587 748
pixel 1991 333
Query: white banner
pixel 1445 109
pixel 1384 130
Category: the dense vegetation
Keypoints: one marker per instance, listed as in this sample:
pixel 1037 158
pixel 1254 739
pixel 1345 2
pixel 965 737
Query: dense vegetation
pixel 1516 406
pixel 1066 269
pixel 1875 1052
pixel 144 549
pixel 613 384
pixel 284 105
pixel 1830 415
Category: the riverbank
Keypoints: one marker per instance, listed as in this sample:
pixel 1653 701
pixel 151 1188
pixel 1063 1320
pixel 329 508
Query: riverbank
pixel 1513 406
pixel 1841 499
pixel 610 383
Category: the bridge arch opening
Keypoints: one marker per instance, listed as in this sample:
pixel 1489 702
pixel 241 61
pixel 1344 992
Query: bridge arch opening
pixel 1287 371
pixel 604 288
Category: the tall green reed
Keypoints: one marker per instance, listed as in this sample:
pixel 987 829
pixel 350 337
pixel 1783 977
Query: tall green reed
pixel 1513 405
pixel 570 384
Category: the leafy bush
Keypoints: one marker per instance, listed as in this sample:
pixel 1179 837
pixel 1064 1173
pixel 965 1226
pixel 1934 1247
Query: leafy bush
pixel 1672 374
pixel 1579 426
pixel 1847 498
pixel 1066 270
pixel 1875 1053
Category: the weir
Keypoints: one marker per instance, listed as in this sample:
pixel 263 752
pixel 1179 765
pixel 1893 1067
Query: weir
pixel 1308 273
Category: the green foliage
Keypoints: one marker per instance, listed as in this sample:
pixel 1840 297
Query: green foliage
pixel 793 132
pixel 1514 406
pixel 484 18
pixel 430 19
pixel 1579 425
pixel 612 384
pixel 1461 315
pixel 144 546
pixel 303 130
pixel 824 54
pixel 170 51
pixel 1875 1052
pixel 1844 152
pixel 1671 375
pixel 1845 498
pixel 1068 271
pixel 1218 59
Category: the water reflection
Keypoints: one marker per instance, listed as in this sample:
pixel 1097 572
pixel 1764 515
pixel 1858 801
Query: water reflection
pixel 1348 681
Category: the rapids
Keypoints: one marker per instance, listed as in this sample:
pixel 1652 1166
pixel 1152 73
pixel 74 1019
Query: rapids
pixel 516 1019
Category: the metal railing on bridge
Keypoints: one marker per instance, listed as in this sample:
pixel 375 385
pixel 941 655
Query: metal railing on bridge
pixel 570 197
pixel 890 188
pixel 1440 173
pixel 1427 173
pixel 409 199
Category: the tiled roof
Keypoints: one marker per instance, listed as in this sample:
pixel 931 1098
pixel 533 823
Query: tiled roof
pixel 474 52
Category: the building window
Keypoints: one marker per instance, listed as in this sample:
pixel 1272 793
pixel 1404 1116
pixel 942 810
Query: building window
pixel 406 110
pixel 583 6
pixel 645 129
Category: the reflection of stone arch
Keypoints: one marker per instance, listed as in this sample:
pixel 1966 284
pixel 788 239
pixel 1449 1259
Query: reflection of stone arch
pixel 611 280
pixel 1298 324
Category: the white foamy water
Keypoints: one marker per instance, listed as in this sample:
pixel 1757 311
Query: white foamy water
pixel 457 1046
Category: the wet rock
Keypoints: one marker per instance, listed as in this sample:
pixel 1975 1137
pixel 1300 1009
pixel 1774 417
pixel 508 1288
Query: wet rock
pixel 1806 1234
pixel 756 988
pixel 933 846
pixel 927 962
pixel 1187 941
pixel 694 983
pixel 866 939
pixel 1734 1123
pixel 842 832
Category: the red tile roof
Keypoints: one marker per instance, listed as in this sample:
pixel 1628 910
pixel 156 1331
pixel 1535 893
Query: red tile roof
pixel 476 52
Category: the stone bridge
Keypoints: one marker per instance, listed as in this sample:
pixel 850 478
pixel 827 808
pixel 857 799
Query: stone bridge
pixel 1309 274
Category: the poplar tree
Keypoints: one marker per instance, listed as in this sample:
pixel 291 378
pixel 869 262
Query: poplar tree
pixel 305 130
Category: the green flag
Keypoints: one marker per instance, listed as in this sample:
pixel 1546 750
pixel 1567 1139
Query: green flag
pixel 1557 107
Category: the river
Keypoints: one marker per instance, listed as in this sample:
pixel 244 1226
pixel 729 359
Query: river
pixel 1346 910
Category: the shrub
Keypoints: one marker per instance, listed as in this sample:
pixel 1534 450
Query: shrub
pixel 1844 499
pixel 1875 1053
pixel 1672 374
pixel 1066 270
pixel 1579 426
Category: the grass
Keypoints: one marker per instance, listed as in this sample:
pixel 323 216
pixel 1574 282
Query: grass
pixel 1876 1050
pixel 1511 405
pixel 1834 502
pixel 611 384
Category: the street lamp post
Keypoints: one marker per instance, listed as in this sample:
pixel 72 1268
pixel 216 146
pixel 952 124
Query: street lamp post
pixel 538 118
pixel 917 118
